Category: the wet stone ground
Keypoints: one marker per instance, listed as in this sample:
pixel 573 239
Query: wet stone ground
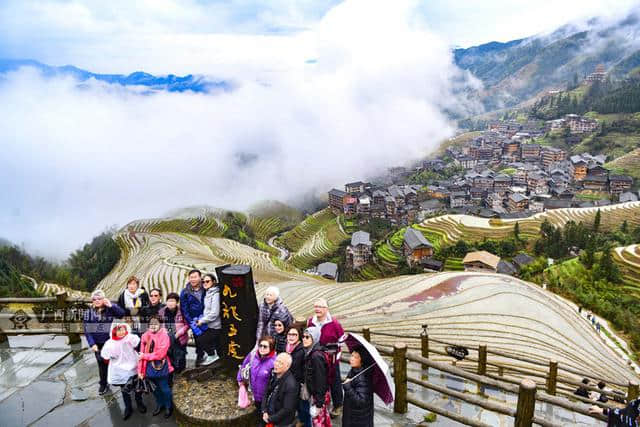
pixel 45 382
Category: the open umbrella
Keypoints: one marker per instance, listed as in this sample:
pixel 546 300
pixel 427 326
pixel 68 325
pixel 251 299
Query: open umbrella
pixel 380 377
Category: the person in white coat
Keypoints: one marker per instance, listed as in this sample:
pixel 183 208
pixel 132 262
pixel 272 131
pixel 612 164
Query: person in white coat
pixel 120 352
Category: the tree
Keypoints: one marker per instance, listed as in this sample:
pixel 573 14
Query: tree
pixel 624 227
pixel 596 221
pixel 607 269
pixel 589 254
pixel 516 231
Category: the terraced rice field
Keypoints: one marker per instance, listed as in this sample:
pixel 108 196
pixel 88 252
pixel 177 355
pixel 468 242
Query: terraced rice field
pixel 463 308
pixel 469 309
pixel 162 260
pixel 314 239
pixel 52 289
pixel 450 228
pixel 628 260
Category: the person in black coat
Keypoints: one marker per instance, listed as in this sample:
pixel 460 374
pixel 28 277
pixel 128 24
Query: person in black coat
pixel 315 369
pixel 153 309
pixel 280 336
pixel 358 391
pixel 281 400
pixel 132 300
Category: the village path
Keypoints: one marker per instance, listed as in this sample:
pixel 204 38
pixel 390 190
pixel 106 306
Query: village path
pixel 284 254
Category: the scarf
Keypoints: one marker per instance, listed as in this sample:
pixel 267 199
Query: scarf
pixel 291 347
pixel 133 300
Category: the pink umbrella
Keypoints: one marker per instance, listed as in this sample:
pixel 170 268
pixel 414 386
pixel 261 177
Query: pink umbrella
pixel 380 377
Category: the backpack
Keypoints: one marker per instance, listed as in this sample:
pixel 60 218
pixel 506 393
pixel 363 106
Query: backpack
pixel 331 372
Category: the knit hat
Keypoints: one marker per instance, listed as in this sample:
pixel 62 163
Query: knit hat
pixel 314 332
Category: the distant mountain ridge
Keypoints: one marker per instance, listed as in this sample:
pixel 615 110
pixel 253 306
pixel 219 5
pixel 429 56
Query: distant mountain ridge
pixel 170 82
pixel 518 70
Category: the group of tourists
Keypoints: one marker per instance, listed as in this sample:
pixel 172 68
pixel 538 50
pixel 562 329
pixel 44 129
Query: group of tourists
pixel 292 375
pixel 294 372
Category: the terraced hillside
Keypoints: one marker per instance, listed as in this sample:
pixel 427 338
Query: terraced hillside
pixel 318 236
pixel 162 260
pixel 628 260
pixel 450 228
pixel 464 308
pixel 469 309
pixel 52 289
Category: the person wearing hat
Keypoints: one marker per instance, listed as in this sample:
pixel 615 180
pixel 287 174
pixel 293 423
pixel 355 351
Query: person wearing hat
pixel 120 352
pixel 315 388
pixel 97 323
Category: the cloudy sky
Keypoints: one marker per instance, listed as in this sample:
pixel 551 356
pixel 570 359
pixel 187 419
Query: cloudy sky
pixel 325 91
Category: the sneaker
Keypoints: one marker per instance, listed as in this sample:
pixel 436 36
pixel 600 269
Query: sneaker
pixel 209 360
pixel 336 412
pixel 104 389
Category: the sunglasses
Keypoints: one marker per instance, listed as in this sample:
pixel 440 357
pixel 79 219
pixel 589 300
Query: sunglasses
pixel 208 281
pixel 263 346
pixel 306 337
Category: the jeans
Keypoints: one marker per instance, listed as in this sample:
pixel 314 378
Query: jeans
pixel 127 398
pixel 337 394
pixel 303 412
pixel 162 392
pixel 102 366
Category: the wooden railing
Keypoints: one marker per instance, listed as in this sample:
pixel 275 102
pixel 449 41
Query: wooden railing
pixel 526 389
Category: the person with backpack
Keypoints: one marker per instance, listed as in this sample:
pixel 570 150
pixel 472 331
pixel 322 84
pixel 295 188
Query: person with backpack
pixel 330 336
pixel 272 308
pixel 156 366
pixel 316 373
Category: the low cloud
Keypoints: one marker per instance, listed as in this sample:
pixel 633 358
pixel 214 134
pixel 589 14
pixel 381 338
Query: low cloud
pixel 78 158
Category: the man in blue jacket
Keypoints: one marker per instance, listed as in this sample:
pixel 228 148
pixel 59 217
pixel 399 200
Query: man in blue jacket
pixel 97 324
pixel 192 307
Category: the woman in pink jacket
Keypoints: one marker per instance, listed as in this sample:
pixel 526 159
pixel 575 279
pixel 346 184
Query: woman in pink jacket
pixel 155 365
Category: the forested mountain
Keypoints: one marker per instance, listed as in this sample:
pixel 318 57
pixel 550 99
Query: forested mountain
pixel 518 70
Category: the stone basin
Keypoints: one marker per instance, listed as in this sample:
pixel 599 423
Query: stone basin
pixel 212 402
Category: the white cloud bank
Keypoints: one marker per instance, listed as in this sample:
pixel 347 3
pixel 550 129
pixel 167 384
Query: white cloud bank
pixel 75 160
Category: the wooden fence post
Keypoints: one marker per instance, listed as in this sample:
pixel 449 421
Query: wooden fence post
pixel 552 377
pixel 366 333
pixel 482 360
pixel 400 404
pixel 526 403
pixel 632 392
pixel 61 303
pixel 424 344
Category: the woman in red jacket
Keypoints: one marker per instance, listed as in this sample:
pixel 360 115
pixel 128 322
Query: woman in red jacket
pixel 155 365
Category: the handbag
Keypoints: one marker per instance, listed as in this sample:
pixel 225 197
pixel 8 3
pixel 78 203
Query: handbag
pixel 243 397
pixel 245 372
pixel 156 368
